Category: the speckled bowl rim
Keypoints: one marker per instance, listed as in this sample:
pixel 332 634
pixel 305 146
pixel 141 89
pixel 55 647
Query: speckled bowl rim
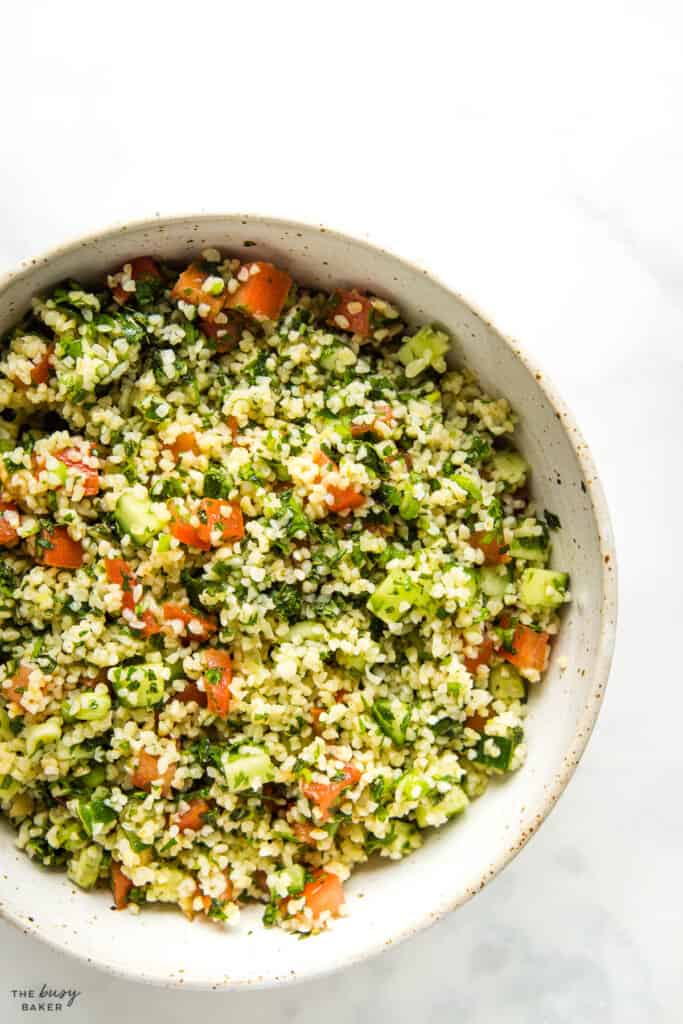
pixel 608 609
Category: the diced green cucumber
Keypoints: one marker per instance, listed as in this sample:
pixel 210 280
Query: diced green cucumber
pixel 530 544
pixel 467 484
pixel 136 844
pixel 509 466
pixel 250 768
pixel 84 868
pixel 403 500
pixel 95 777
pixel 543 588
pixel 41 734
pixel 95 815
pixel 293 879
pixel 395 591
pixel 447 727
pixel 9 788
pixel 505 683
pixel 402 840
pixel 141 685
pixel 411 787
pixel 392 717
pixel 495 752
pixel 426 348
pixel 453 802
pixel 88 705
pixel 57 470
pixel 302 631
pixel 476 781
pixel 5 729
pixel 494 580
pixel 136 516
pixel 68 836
pixel 38 848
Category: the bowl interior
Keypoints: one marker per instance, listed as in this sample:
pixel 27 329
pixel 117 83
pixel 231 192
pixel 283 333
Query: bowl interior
pixel 390 901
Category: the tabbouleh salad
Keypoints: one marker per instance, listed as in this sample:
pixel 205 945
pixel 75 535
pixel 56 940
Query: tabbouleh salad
pixel 272 588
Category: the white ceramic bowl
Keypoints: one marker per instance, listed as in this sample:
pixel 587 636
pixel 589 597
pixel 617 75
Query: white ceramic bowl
pixel 392 901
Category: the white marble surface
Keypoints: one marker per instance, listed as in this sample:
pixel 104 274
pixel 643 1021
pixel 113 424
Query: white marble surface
pixel 533 157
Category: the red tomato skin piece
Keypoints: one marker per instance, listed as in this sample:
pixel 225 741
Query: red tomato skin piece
pixel 264 292
pixel 142 268
pixel 324 794
pixel 351 319
pixel 8 531
pixel 325 892
pixel 64 552
pixel 120 886
pixel 484 652
pixel 118 571
pixel 188 288
pixel 492 549
pixel 530 649
pixel 218 693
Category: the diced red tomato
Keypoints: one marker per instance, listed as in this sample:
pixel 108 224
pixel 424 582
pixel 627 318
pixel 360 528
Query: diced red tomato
pixel 264 292
pixel 118 571
pixel 191 692
pixel 193 817
pixel 41 369
pixel 492 548
pixel 120 886
pixel 18 684
pixel 142 268
pixel 217 681
pixel 215 512
pixel 8 525
pixel 151 626
pixel 234 426
pixel 385 415
pixel 185 442
pixel 530 649
pixel 483 657
pixel 325 892
pixel 324 794
pixel 476 722
pixel 147 772
pixel 345 498
pixel 315 715
pixel 76 460
pixel 261 880
pixel 225 336
pixel 197 627
pixel 229 891
pixel 351 313
pixel 63 552
pixel 342 497
pixel 186 533
pixel 302 830
pixel 188 288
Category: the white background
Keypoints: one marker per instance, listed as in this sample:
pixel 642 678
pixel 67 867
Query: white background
pixel 531 154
